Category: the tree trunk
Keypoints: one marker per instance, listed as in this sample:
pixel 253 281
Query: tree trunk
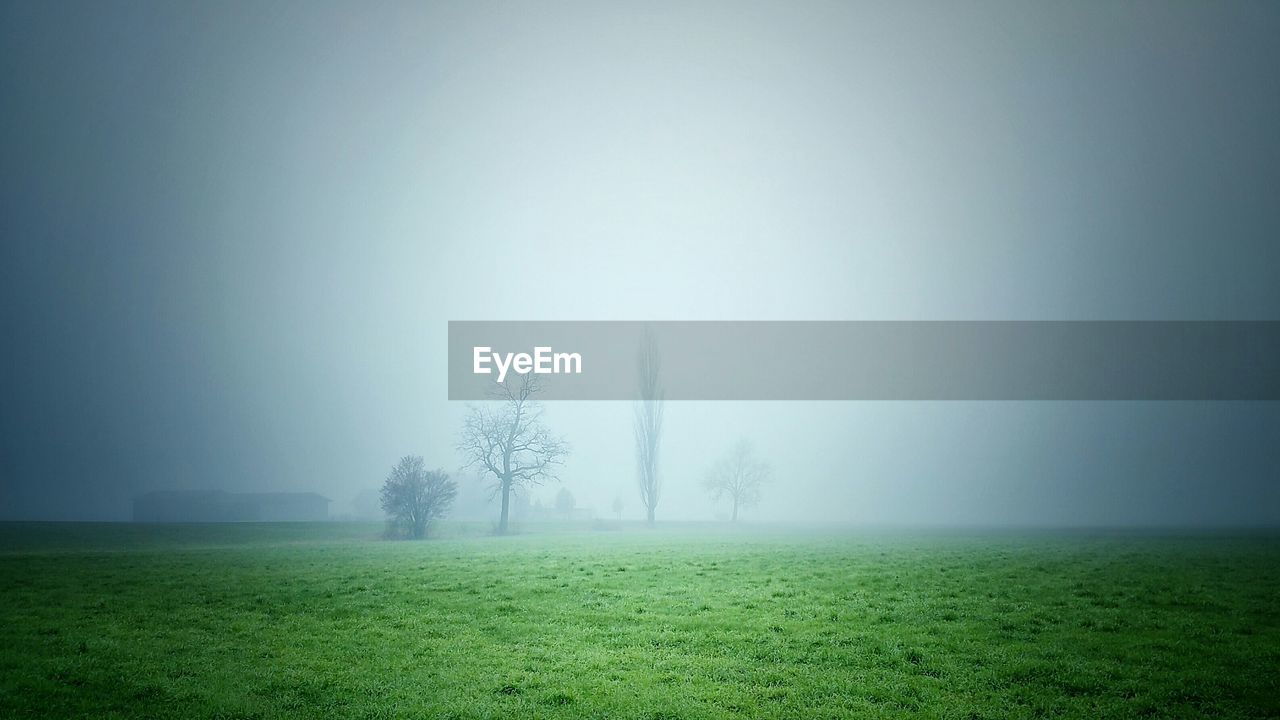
pixel 650 516
pixel 506 505
pixel 735 510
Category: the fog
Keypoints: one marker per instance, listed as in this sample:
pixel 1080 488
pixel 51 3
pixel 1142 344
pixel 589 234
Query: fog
pixel 233 235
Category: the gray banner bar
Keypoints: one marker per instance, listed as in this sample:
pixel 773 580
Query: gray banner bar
pixel 943 360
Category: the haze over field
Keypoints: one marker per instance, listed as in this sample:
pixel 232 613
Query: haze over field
pixel 232 236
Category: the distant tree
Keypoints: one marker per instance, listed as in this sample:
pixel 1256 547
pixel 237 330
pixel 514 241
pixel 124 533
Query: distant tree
pixel 647 423
pixel 738 475
pixel 508 440
pixel 565 502
pixel 523 505
pixel 618 506
pixel 413 496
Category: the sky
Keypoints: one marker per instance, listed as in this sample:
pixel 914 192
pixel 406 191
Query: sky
pixel 233 234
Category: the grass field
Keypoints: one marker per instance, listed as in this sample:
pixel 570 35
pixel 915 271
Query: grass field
pixel 245 621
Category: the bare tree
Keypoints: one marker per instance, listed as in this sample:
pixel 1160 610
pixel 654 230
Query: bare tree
pixel 507 438
pixel 739 475
pixel 648 423
pixel 413 496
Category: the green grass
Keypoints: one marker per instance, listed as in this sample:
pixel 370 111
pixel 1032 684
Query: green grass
pixel 265 621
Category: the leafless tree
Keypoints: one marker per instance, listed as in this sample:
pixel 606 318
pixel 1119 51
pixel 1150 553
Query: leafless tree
pixel 647 423
pixel 738 475
pixel 413 496
pixel 507 439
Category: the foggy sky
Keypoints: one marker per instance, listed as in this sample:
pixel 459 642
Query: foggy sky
pixel 233 234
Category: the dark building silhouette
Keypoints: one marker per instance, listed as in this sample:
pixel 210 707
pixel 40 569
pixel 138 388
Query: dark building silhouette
pixel 219 506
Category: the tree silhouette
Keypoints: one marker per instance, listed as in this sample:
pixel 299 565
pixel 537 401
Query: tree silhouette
pixel 508 440
pixel 413 496
pixel 739 475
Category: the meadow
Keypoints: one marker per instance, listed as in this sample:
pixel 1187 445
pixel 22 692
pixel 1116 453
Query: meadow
pixel 330 621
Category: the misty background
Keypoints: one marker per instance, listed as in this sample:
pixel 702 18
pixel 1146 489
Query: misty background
pixel 233 234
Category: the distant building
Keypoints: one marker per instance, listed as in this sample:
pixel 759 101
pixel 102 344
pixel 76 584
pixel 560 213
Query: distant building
pixel 219 506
